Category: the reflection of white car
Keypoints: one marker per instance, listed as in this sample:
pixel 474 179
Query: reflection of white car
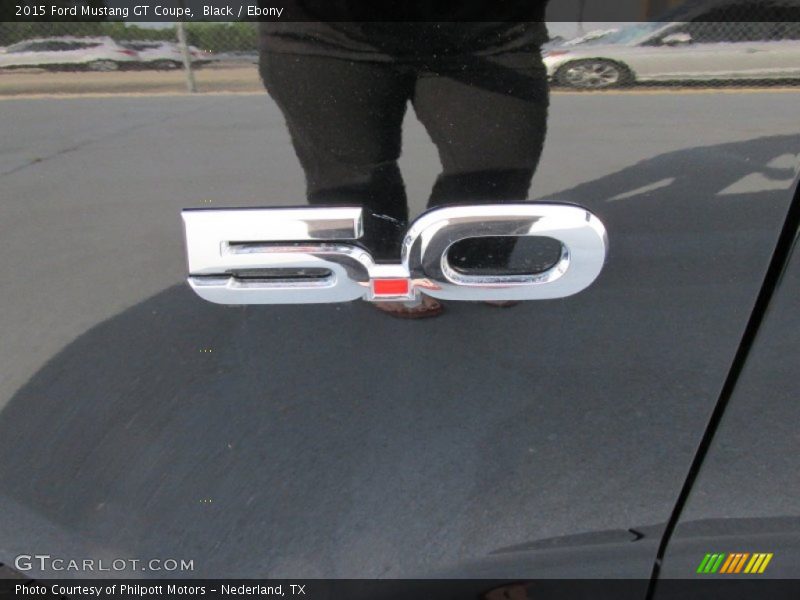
pixel 681 51
pixel 97 54
pixel 164 55
pixel 592 37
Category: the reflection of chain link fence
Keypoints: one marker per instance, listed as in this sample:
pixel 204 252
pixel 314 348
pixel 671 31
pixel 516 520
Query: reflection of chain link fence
pixel 149 57
pixel 35 56
pixel 211 37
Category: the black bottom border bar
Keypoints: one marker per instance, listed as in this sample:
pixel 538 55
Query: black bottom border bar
pixel 400 589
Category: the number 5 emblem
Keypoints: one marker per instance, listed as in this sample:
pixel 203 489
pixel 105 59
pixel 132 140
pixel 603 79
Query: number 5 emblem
pixel 310 255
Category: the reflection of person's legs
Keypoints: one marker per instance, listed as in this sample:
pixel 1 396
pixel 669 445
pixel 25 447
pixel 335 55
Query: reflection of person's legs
pixel 345 119
pixel 488 118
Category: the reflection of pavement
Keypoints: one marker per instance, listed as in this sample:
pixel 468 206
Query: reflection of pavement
pixel 209 79
pixel 235 77
pixel 333 440
pixel 144 159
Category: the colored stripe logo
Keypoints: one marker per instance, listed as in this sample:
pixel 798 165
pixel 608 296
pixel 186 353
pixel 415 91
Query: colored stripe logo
pixel 733 563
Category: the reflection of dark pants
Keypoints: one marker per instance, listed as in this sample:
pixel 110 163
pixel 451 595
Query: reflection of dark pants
pixel 487 117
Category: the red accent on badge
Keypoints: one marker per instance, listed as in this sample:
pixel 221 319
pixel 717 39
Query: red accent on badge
pixel 390 287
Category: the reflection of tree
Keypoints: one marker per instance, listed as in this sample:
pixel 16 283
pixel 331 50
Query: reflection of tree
pixel 13 30
pixel 8 9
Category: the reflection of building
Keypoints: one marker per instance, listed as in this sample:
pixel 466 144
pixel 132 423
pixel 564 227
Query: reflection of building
pixel 591 15
pixel 581 13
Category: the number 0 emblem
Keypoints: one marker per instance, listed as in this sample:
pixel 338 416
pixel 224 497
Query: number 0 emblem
pixel 311 255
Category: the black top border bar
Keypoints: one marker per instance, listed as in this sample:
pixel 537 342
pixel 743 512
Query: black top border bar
pixel 399 10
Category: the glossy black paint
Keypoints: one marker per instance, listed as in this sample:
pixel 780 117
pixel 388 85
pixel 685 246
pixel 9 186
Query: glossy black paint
pixel 549 439
pixel 745 492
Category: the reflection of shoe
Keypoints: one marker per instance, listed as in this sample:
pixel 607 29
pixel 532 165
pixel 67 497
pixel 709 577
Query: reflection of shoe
pixel 420 309
pixel 502 303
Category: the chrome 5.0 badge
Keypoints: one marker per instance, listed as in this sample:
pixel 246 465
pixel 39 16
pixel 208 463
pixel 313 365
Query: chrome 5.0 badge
pixel 311 255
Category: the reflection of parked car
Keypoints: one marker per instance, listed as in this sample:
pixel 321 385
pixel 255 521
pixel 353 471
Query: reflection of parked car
pixel 593 37
pixel 164 55
pixel 97 54
pixel 680 51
